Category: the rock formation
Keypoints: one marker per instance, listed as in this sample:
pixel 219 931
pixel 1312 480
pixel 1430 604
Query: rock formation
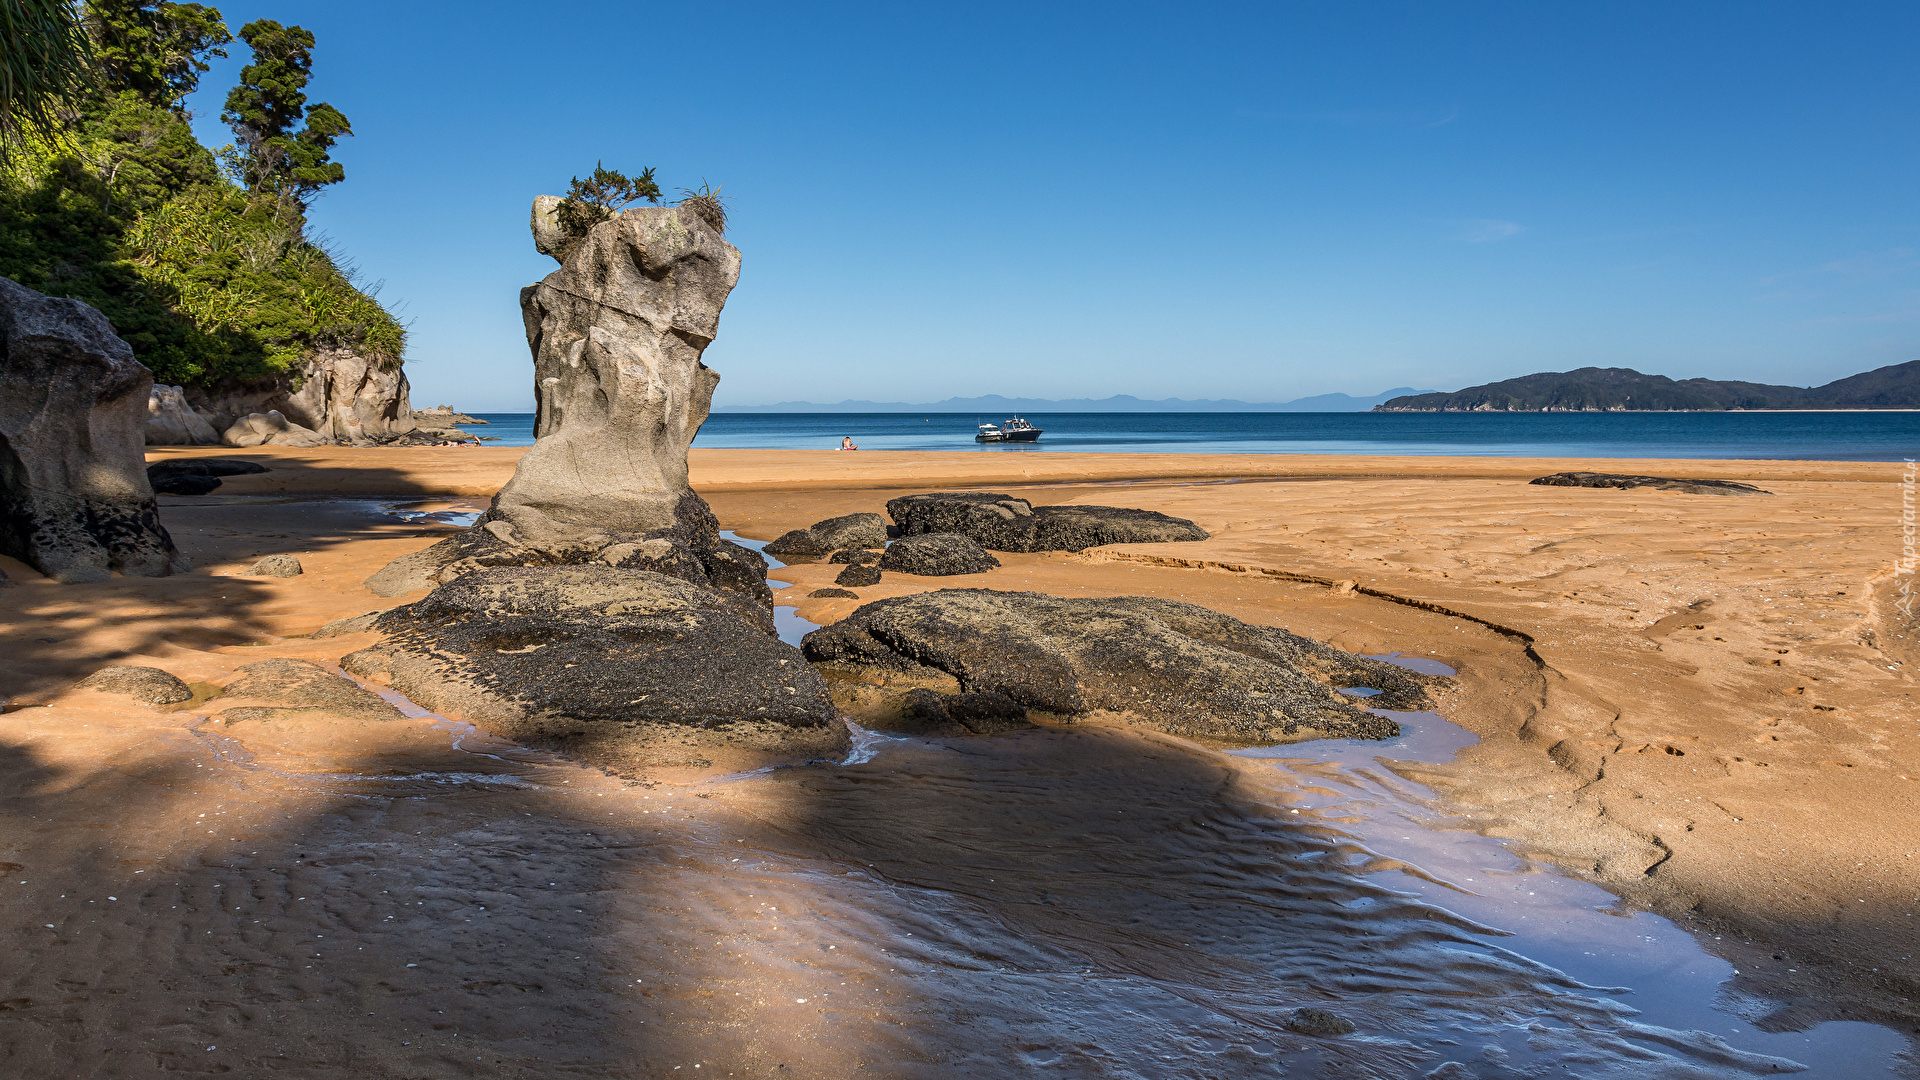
pixel 858 576
pixel 281 565
pixel 151 685
pixel 1006 523
pixel 595 608
pixel 627 669
pixel 1179 667
pixel 270 428
pixel 852 531
pixel 74 499
pixel 172 422
pixel 337 394
pixel 197 476
pixel 937 555
pixel 1660 483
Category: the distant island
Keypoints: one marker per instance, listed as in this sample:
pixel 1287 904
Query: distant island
pixel 1596 389
pixel 994 404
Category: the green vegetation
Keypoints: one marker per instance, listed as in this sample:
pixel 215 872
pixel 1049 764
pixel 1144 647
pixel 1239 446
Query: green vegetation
pixel 605 192
pixel 1627 390
pixel 46 64
pixel 199 258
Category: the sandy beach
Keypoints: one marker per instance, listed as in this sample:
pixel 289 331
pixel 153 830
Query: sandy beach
pixel 1703 704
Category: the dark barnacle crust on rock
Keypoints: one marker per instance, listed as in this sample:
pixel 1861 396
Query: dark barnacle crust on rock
pixel 851 531
pixel 1178 667
pixel 1006 523
pixel 1661 483
pixel 623 668
pixel 937 555
pixel 858 576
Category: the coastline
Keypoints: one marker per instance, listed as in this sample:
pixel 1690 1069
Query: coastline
pixel 1676 696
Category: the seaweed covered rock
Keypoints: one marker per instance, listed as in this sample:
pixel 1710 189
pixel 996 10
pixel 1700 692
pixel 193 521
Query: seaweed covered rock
pixel 1659 483
pixel 1178 667
pixel 75 503
pixel 623 668
pixel 1006 523
pixel 937 555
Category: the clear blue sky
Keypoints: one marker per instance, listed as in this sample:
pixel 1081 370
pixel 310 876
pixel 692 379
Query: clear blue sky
pixel 1259 201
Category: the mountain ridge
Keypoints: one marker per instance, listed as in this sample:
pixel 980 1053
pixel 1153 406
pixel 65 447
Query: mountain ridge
pixel 1595 389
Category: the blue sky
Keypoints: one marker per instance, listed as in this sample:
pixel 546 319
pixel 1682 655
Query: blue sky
pixel 1259 201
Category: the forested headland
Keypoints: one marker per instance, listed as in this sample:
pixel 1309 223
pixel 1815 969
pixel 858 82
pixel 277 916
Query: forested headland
pixel 200 256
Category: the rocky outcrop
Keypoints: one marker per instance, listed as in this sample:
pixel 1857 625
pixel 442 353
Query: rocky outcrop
pixel 269 428
pixel 1006 523
pixel 937 555
pixel 443 416
pixel 302 684
pixel 172 422
pixel 197 476
pixel 1661 483
pixel 858 575
pixel 281 565
pixel 339 395
pixel 74 499
pixel 147 684
pixel 627 669
pixel 853 531
pixel 617 333
pixel 1178 667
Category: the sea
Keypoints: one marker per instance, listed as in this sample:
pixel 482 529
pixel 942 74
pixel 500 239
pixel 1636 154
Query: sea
pixel 1814 436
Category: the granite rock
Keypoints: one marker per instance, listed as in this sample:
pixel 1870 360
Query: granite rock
pixel 172 422
pixel 75 503
pixel 151 685
pixel 858 575
pixel 1006 523
pixel 282 566
pixel 1660 483
pixel 270 428
pixel 1178 667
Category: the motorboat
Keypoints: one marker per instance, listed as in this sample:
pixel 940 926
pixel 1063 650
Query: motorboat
pixel 1014 430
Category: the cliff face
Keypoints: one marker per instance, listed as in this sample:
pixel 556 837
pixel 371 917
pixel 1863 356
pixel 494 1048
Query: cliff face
pixel 1627 390
pixel 344 397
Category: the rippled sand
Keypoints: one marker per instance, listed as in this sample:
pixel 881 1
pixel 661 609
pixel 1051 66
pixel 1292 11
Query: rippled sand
pixel 415 899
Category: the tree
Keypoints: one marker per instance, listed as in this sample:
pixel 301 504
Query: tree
pixel 595 199
pixel 155 48
pixel 46 65
pixel 283 145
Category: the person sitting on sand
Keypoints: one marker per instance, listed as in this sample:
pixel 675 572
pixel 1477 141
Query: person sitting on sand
pixel 847 444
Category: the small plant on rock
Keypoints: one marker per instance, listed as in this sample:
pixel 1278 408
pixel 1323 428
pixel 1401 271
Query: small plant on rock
pixel 602 194
pixel 707 203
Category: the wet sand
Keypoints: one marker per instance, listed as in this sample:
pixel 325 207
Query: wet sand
pixel 1702 703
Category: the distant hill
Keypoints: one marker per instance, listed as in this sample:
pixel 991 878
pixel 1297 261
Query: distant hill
pixel 994 404
pixel 1626 390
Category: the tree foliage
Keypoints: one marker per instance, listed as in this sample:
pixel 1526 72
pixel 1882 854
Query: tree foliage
pixel 46 67
pixel 602 194
pixel 209 281
pixel 283 145
pixel 154 48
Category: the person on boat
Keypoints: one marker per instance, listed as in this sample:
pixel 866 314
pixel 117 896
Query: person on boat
pixel 847 443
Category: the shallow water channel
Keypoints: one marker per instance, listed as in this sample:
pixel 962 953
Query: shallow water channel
pixel 1569 982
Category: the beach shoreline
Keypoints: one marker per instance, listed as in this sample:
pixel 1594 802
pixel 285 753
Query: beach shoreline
pixel 1676 696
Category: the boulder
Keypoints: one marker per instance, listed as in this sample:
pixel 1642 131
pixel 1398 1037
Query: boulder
pixel 337 393
pixel 856 556
pixel 617 333
pixel 75 503
pixel 151 685
pixel 1006 523
pixel 834 594
pixel 858 575
pixel 269 428
pixel 852 531
pixel 1175 666
pixel 197 476
pixel 1320 1023
pixel 303 684
pixel 1661 483
pixel 275 566
pixel 172 422
pixel 797 544
pixel 937 555
pixel 622 668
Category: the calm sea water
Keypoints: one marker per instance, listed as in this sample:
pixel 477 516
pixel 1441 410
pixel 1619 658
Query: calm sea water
pixel 1848 436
